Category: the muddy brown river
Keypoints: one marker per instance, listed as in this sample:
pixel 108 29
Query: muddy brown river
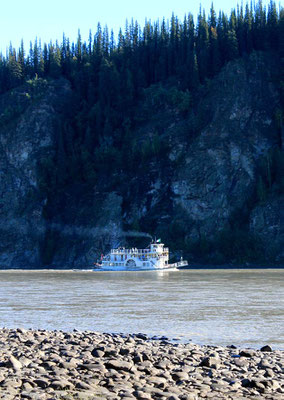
pixel 221 307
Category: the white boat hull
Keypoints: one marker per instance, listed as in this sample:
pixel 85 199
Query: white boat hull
pixel 169 267
pixel 154 258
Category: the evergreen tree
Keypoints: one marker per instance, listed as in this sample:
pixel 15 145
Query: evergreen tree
pixel 35 58
pixel 46 60
pixel 110 78
pixel 78 49
pixel 54 60
pixel 232 50
pixel 40 60
pixel 202 45
pixel 21 58
pixel 259 27
pixel 105 42
pixel 248 20
pixel 15 73
pixel 272 26
pixel 240 30
pixel 214 53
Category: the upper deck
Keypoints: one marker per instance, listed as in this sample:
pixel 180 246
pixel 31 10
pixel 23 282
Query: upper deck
pixel 155 248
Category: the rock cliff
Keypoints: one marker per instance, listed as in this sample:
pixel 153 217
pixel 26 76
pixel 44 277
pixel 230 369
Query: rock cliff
pixel 28 117
pixel 197 189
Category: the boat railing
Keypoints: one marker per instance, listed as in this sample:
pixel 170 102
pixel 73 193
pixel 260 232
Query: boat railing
pixel 182 263
pixel 136 251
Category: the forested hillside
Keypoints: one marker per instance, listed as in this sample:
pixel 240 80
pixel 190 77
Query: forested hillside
pixel 174 129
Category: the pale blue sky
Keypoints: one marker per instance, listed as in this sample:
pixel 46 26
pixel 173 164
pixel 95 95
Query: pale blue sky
pixel 48 19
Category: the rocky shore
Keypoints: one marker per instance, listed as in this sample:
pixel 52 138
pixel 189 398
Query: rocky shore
pixel 89 365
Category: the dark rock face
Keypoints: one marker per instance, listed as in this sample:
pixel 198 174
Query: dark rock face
pixel 209 176
pixel 27 139
pixel 219 170
pixel 267 221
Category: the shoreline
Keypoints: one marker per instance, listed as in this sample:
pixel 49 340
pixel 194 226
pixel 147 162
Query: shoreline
pixel 41 364
pixel 195 267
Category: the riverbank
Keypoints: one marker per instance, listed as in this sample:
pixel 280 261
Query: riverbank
pixel 88 365
pixel 192 265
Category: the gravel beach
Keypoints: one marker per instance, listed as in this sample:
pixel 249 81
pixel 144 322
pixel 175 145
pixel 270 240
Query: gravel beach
pixel 89 365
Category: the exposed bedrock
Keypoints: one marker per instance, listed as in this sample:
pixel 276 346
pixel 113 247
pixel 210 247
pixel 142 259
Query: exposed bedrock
pixel 207 181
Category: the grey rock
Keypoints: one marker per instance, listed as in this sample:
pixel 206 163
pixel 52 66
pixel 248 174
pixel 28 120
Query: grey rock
pixel 265 364
pixel 68 364
pixel 243 363
pixel 157 381
pixel 140 395
pixel 141 336
pixel 42 383
pixel 210 362
pixel 124 351
pixel 266 221
pixel 266 348
pixel 137 358
pixel 273 384
pixel 14 363
pixel 118 365
pixel 98 353
pixel 11 383
pixel 269 373
pixel 27 387
pixel 179 376
pixel 93 367
pixel 247 353
pixel 169 372
pixel 61 384
pixel 32 139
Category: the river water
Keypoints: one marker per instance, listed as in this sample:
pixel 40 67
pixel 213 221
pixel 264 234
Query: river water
pixel 221 307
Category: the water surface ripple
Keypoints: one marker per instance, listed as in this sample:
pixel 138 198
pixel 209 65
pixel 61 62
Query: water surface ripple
pixel 219 307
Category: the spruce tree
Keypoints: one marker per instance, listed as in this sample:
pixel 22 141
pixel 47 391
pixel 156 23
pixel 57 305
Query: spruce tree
pixel 202 46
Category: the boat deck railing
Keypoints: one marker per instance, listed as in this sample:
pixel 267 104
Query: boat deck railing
pixel 182 263
pixel 135 251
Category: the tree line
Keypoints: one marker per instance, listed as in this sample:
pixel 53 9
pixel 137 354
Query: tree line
pixel 108 75
pixel 143 56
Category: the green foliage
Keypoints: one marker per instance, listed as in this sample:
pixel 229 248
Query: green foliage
pixel 158 96
pixel 239 245
pixel 36 87
pixel 179 50
pixel 232 45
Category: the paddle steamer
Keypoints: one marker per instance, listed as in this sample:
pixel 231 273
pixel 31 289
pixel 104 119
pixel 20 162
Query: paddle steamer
pixel 154 257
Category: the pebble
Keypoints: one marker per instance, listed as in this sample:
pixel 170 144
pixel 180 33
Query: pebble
pixel 45 365
pixel 14 363
pixel 266 348
pixel 247 353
